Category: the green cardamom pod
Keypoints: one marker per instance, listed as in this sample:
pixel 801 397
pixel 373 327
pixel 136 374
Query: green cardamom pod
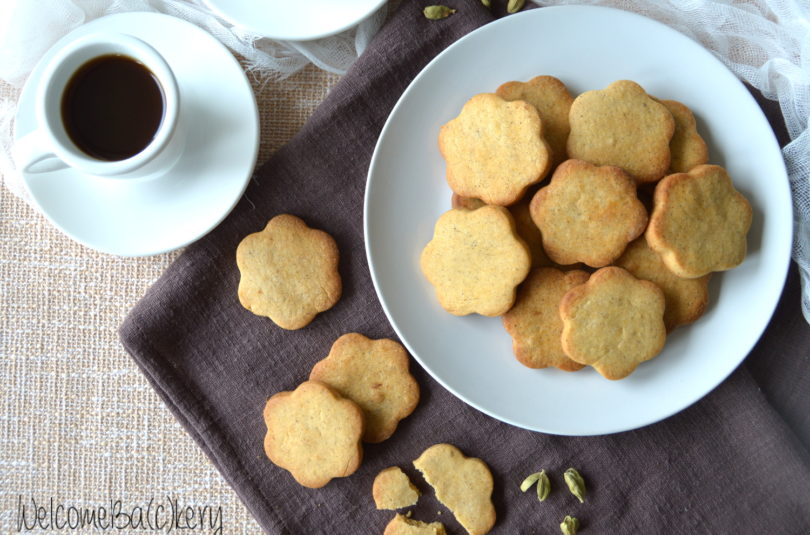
pixel 530 480
pixel 515 5
pixel 438 12
pixel 543 486
pixel 575 484
pixel 569 525
pixel 487 3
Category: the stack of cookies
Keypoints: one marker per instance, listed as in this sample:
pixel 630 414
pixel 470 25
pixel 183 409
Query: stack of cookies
pixel 357 394
pixel 594 266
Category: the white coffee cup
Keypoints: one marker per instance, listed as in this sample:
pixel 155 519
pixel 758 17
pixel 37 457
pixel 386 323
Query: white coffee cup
pixel 49 147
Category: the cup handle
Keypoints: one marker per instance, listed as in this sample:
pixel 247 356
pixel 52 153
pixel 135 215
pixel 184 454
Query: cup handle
pixel 32 155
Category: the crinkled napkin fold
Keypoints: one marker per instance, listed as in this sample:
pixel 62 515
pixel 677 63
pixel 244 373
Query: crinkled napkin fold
pixel 737 461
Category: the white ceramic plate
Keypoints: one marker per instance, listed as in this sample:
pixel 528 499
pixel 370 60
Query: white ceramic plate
pixel 136 218
pixel 295 21
pixel 587 48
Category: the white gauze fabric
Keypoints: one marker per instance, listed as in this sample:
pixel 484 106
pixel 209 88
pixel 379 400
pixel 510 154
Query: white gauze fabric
pixel 767 45
pixel 29 28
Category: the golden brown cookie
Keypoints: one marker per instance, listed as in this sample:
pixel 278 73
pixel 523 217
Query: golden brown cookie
pixel 687 148
pixel 374 374
pixel 463 484
pixel 524 225
pixel 686 299
pixel 475 260
pixel 534 322
pixel 402 525
pixel 699 222
pixel 588 213
pixel 289 272
pixel 613 322
pixel 313 433
pixel 553 102
pixel 494 149
pixel 393 490
pixel 622 126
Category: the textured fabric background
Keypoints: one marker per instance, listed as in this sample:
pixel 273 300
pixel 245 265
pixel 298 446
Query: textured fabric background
pixel 78 421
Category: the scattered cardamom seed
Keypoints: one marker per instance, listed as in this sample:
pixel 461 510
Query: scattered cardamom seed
pixel 530 480
pixel 487 3
pixel 438 12
pixel 515 5
pixel 543 486
pixel 569 525
pixel 575 484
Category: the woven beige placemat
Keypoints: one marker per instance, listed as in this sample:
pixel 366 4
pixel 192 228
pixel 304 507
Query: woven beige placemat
pixel 79 424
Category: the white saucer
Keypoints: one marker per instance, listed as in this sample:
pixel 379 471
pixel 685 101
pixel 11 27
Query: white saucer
pixel 138 218
pixel 295 21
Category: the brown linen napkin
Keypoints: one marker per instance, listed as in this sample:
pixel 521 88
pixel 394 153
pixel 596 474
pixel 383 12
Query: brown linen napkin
pixel 728 464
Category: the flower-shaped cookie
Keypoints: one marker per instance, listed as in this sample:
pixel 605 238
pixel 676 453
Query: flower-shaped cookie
pixel 553 102
pixel 524 225
pixel 313 433
pixel 289 272
pixel 494 149
pixel 686 299
pixel 534 322
pixel 621 125
pixel 475 260
pixel 374 374
pixel 588 213
pixel 463 484
pixel 613 322
pixel 699 222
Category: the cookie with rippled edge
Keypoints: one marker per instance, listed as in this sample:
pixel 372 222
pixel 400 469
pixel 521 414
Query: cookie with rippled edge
pixel 313 433
pixel 622 126
pixel 686 299
pixel 288 272
pixel 588 213
pixel 463 484
pixel 534 322
pixel 393 490
pixel 494 149
pixel 613 322
pixel 402 525
pixel 524 225
pixel 687 148
pixel 374 374
pixel 475 260
pixel 700 222
pixel 553 103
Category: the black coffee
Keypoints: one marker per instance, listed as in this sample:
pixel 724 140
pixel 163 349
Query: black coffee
pixel 112 107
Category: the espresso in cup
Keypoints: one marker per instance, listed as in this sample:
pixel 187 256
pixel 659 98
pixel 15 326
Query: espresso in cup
pixel 112 107
pixel 106 105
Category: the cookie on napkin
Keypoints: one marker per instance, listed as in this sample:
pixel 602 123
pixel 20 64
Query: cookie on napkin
pixel 374 374
pixel 463 484
pixel 402 525
pixel 288 272
pixel 313 433
pixel 393 490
